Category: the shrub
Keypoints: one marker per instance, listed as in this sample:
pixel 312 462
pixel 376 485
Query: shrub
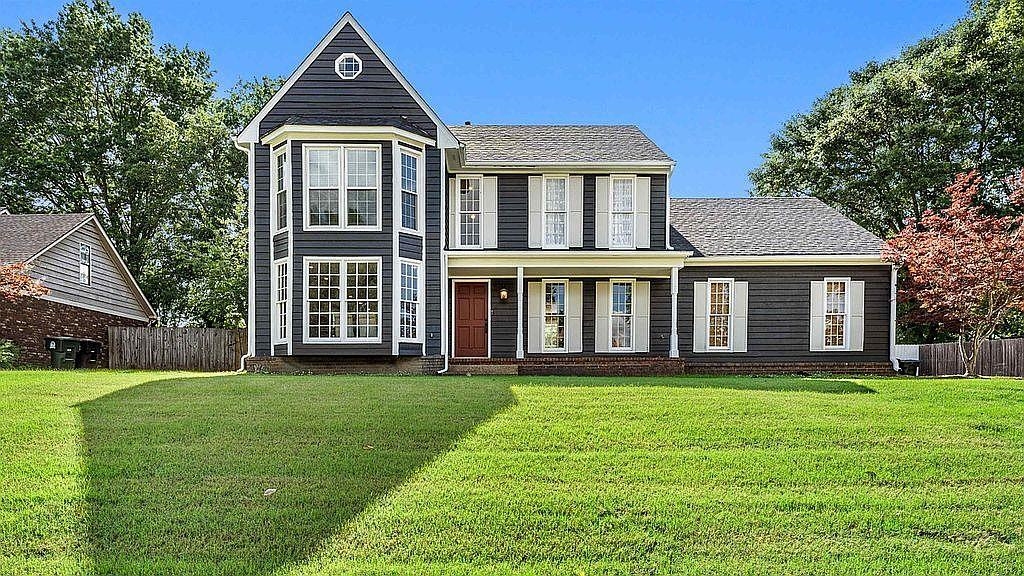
pixel 9 353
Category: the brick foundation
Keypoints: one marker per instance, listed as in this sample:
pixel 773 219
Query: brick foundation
pixel 28 321
pixel 341 364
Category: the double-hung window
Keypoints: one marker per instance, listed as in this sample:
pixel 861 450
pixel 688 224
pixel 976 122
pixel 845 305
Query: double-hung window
pixel 342 300
pixel 555 216
pixel 554 316
pixel 469 212
pixel 281 301
pixel 84 264
pixel 719 314
pixel 280 185
pixel 410 191
pixel 409 305
pixel 836 313
pixel 621 317
pixel 342 187
pixel 622 218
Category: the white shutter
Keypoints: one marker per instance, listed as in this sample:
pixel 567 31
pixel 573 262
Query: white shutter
pixel 856 316
pixel 817 316
pixel 602 328
pixel 601 214
pixel 489 205
pixel 453 221
pixel 575 227
pixel 739 316
pixel 535 315
pixel 643 212
pixel 642 316
pixel 700 316
pixel 536 199
pixel 574 318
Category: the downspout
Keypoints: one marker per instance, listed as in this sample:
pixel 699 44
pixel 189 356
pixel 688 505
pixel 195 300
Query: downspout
pixel 444 260
pixel 892 321
pixel 251 312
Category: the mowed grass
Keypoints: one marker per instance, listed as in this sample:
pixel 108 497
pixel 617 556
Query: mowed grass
pixel 150 473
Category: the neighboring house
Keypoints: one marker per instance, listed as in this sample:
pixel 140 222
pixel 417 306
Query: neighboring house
pixel 89 286
pixel 384 239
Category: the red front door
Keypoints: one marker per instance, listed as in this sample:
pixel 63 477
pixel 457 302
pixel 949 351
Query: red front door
pixel 471 319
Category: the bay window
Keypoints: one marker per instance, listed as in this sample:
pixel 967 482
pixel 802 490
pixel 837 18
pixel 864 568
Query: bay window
pixel 281 301
pixel 342 300
pixel 342 180
pixel 410 191
pixel 280 189
pixel 409 303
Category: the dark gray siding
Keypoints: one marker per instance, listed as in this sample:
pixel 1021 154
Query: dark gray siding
pixel 514 208
pixel 432 203
pixel 261 244
pixel 280 245
pixel 778 321
pixel 503 317
pixel 410 247
pixel 410 349
pixel 109 289
pixel 374 97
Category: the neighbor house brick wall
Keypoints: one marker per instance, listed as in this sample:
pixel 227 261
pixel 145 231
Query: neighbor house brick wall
pixel 28 321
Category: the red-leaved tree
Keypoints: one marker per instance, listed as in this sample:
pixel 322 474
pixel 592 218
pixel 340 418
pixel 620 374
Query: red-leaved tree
pixel 964 267
pixel 15 282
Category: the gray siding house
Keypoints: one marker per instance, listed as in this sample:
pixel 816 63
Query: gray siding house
pixel 384 239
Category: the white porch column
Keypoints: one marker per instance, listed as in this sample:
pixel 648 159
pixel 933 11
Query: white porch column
pixel 674 341
pixel 519 313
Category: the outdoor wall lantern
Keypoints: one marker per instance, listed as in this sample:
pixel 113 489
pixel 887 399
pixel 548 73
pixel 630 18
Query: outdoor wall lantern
pixel 503 294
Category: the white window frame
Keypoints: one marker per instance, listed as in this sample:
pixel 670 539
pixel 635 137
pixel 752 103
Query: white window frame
pixel 846 314
pixel 420 182
pixel 565 315
pixel 343 262
pixel 544 210
pixel 419 300
pixel 85 268
pixel 342 149
pixel 458 210
pixel 612 212
pixel 274 190
pixel 732 311
pixel 277 301
pixel 337 66
pixel 632 313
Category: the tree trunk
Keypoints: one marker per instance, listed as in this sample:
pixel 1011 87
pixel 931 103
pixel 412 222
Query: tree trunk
pixel 970 358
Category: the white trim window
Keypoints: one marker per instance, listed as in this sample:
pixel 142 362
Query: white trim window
pixel 281 301
pixel 556 214
pixel 280 190
pixel 409 303
pixel 84 264
pixel 323 300
pixel 622 215
pixel 342 187
pixel 555 316
pixel 348 66
pixel 837 313
pixel 410 201
pixel 342 300
pixel 362 300
pixel 470 211
pixel 720 308
pixel 621 316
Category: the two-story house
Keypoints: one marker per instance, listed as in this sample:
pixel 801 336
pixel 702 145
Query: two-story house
pixel 384 239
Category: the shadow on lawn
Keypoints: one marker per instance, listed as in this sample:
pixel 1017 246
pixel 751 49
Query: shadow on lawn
pixel 177 469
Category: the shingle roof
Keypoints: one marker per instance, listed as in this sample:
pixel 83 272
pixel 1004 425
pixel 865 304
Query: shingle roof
pixel 765 227
pixel 554 144
pixel 22 236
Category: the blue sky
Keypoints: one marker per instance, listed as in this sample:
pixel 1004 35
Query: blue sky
pixel 708 81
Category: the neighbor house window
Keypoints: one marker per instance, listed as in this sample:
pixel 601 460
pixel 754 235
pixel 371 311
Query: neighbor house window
pixel 84 264
pixel 342 180
pixel 836 313
pixel 622 220
pixel 719 314
pixel 348 66
pixel 554 316
pixel 622 316
pixel 469 212
pixel 342 299
pixel 410 301
pixel 410 191
pixel 281 190
pixel 281 301
pixel 555 212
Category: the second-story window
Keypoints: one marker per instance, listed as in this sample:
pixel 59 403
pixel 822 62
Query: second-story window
pixel 84 264
pixel 622 216
pixel 469 212
pixel 555 212
pixel 342 190
pixel 410 192
pixel 323 195
pixel 281 190
pixel 361 191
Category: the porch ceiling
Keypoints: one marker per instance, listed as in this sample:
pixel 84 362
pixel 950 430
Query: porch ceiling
pixel 497 264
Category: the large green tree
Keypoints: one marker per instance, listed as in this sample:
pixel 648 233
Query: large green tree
pixel 885 146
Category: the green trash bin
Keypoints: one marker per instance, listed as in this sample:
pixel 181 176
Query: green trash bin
pixel 62 352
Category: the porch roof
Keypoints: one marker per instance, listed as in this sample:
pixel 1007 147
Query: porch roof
pixel 575 263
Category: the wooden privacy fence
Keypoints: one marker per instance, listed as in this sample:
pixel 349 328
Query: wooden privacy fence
pixel 996 358
pixel 157 348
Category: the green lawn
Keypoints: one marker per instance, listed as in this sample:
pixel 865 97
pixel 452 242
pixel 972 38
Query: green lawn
pixel 149 473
